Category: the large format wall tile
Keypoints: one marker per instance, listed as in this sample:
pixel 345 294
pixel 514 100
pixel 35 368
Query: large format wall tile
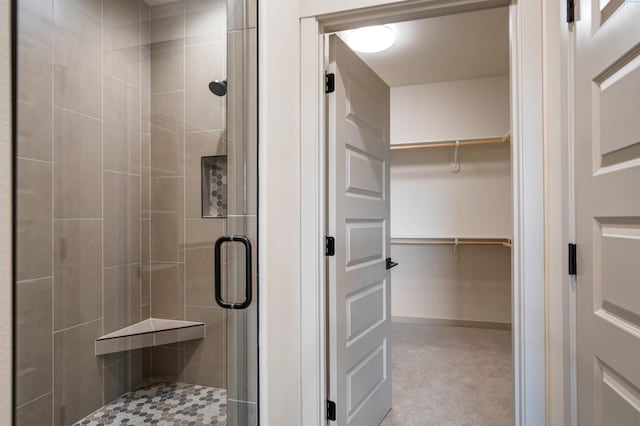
pixel 122 39
pixel 167 219
pixel 78 272
pixel 242 123
pixel 92 8
pixel 145 312
pixel 205 360
pixel 146 363
pixel 204 110
pixel 37 412
pixel 77 372
pixel 66 62
pixel 34 220
pixel 199 260
pixel 34 100
pixel 242 350
pixel 167 362
pixel 242 14
pixel 206 20
pixel 78 164
pixel 34 351
pixel 167 22
pixel 145 87
pixel 167 66
pixel 145 259
pixel 121 297
pixel 145 17
pixel 122 375
pixel 167 290
pixel 121 126
pixel 145 175
pixel 167 134
pixel 35 20
pixel 77 56
pixel 121 219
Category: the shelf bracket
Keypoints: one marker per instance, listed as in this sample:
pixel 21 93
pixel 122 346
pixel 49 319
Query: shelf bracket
pixel 454 251
pixel 455 164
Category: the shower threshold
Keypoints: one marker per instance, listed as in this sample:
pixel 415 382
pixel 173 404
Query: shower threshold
pixel 164 403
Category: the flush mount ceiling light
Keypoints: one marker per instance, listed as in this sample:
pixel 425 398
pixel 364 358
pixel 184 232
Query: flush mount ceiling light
pixel 371 39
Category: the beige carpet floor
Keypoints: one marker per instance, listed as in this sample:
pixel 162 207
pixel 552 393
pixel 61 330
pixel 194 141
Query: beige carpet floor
pixel 450 376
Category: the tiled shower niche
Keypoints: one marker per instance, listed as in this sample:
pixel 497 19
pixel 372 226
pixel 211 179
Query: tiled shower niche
pixel 214 186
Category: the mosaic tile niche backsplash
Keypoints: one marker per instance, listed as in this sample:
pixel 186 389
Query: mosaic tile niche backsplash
pixel 214 186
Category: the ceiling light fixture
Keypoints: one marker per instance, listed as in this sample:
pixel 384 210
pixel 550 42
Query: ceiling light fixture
pixel 371 39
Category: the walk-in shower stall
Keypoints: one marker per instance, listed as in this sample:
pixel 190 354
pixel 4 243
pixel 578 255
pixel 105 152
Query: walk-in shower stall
pixel 136 227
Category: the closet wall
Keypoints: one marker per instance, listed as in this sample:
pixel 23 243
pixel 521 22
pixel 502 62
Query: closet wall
pixel 429 200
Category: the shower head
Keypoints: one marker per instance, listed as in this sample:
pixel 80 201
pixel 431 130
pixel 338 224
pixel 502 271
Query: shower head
pixel 218 87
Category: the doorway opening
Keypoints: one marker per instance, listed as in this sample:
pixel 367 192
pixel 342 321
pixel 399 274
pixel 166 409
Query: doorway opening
pixel 443 315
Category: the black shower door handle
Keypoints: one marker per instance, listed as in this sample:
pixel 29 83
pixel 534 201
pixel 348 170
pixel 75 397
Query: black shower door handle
pixel 218 272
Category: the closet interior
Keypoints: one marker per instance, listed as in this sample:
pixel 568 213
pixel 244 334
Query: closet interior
pixel 451 203
pixel 451 218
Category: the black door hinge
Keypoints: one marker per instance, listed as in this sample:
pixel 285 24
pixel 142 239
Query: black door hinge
pixel 571 11
pixel 331 411
pixel 329 82
pixel 391 263
pixel 330 247
pixel 573 263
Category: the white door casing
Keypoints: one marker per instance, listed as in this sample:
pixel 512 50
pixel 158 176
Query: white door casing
pixel 358 217
pixel 527 124
pixel 607 129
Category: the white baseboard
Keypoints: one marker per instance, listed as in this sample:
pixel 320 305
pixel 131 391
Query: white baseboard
pixel 452 322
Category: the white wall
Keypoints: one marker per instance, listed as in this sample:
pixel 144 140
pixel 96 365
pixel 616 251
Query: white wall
pixel 463 109
pixel 559 220
pixel 428 200
pixel 279 47
pixel 428 284
pixel 5 217
pixel 322 7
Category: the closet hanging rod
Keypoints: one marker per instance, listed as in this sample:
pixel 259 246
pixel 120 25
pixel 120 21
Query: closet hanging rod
pixel 504 242
pixel 452 143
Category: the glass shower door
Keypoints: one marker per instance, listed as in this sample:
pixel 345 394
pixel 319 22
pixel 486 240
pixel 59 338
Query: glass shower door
pixel 137 222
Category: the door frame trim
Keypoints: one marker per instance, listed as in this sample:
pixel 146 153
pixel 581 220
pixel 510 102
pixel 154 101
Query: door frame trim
pixel 528 251
pixel 7 173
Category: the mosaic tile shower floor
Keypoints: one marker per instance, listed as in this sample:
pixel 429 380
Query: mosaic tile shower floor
pixel 164 404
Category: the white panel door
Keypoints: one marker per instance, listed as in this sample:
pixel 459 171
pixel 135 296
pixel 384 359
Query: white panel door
pixel 607 113
pixel 358 217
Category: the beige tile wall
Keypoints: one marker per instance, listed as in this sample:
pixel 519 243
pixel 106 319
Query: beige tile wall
pixel 83 202
pixel 115 115
pixel 188 50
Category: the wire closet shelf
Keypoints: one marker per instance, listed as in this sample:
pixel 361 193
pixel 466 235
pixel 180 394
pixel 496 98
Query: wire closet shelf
pixel 506 139
pixel 503 242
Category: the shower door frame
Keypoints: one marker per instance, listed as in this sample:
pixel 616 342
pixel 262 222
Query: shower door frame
pixel 8 122
pixel 528 251
pixel 9 217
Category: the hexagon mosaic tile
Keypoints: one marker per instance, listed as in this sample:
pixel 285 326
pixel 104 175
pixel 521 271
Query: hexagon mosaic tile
pixel 164 404
pixel 214 186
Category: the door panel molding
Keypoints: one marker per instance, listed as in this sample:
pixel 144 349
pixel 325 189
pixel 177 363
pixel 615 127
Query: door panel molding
pixel 358 209
pixel 607 159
